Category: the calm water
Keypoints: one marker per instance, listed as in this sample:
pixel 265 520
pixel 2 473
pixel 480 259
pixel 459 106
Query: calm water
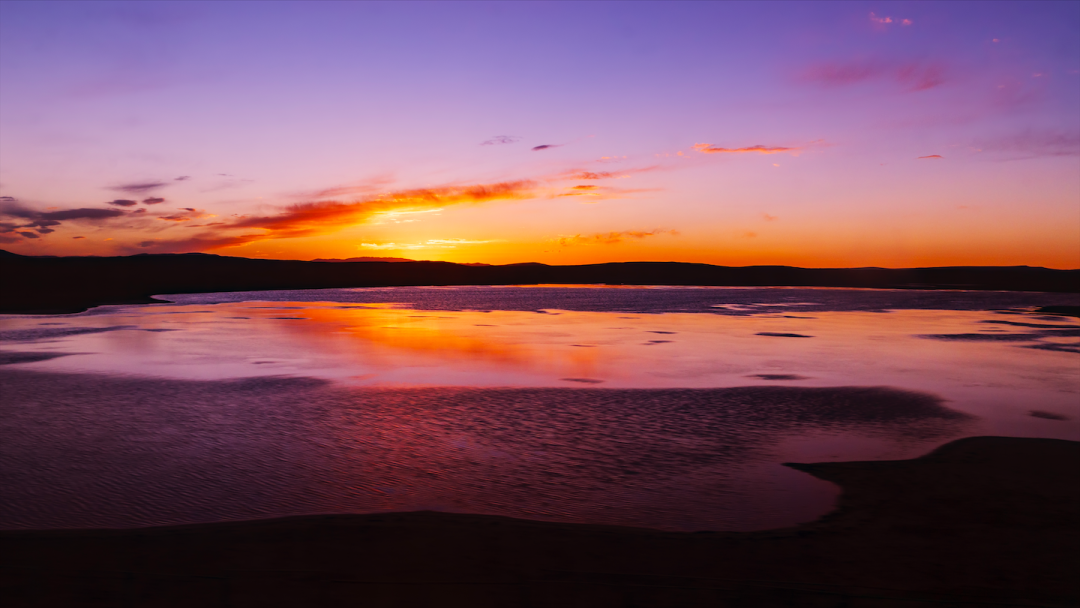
pixel 659 407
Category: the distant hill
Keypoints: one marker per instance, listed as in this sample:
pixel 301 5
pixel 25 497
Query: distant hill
pixel 363 260
pixel 388 260
pixel 71 284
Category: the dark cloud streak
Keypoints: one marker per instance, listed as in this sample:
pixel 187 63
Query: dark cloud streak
pixel 139 187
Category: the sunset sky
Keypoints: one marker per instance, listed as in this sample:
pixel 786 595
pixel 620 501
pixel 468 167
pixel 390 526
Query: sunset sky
pixel 807 134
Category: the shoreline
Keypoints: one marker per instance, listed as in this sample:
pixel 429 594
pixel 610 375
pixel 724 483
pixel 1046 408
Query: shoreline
pixel 979 521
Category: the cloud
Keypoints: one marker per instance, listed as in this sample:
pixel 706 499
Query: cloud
pixel 501 139
pixel 44 221
pixel 82 214
pixel 914 76
pixel 8 199
pixel 78 237
pixel 7 240
pixel 365 188
pixel 191 214
pixel 769 218
pixel 428 244
pixel 120 202
pixel 321 217
pixel 153 201
pixel 758 149
pixel 546 146
pixel 182 178
pixel 609 238
pixel 585 187
pixel 10 209
pixel 139 187
pixel 931 156
pixel 882 22
pixel 1033 144
pixel 595 175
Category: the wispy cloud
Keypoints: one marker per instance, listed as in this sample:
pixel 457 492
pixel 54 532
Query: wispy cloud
pixel 501 139
pixel 153 200
pixel 139 187
pixel 931 156
pixel 912 75
pixel 363 188
pixel 595 175
pixel 610 238
pixel 428 244
pixel 190 213
pixel 546 146
pixel 1033 144
pixel 44 222
pixel 120 202
pixel 882 22
pixel 758 149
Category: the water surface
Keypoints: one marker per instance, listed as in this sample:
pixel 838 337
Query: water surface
pixel 667 408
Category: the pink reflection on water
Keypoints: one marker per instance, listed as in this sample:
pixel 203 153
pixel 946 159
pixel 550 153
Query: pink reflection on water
pixel 525 413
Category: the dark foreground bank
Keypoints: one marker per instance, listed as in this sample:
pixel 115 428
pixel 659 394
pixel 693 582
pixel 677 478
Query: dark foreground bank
pixel 73 284
pixel 985 521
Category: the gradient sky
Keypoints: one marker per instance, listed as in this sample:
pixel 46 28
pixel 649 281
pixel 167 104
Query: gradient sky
pixel 809 134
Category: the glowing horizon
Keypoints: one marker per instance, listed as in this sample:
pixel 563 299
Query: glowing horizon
pixel 804 134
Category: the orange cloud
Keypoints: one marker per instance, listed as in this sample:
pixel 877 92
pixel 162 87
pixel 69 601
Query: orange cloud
pixel 759 149
pixel 190 214
pixel 931 156
pixel 320 217
pixel 428 244
pixel 595 175
pixel 609 238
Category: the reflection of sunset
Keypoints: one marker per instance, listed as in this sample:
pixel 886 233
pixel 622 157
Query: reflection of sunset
pixel 409 330
pixel 383 344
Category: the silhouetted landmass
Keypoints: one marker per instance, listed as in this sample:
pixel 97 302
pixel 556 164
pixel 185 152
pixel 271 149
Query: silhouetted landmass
pixel 1065 311
pixel 978 522
pixel 72 284
pixel 363 259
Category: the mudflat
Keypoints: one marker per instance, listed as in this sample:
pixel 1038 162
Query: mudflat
pixel 983 521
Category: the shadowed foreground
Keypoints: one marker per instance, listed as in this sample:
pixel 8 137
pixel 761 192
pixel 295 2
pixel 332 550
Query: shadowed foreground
pixel 985 521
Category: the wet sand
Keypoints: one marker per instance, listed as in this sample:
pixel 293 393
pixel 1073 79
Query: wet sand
pixel 979 521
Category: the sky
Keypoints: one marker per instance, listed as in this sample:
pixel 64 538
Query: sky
pixel 809 134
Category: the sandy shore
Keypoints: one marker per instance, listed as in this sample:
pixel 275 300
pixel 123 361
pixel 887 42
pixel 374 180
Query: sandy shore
pixel 981 521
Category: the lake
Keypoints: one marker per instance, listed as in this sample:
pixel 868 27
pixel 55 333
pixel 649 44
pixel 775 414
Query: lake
pixel 661 407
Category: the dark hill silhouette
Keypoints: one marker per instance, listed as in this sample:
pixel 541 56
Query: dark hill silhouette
pixel 71 284
pixel 363 259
